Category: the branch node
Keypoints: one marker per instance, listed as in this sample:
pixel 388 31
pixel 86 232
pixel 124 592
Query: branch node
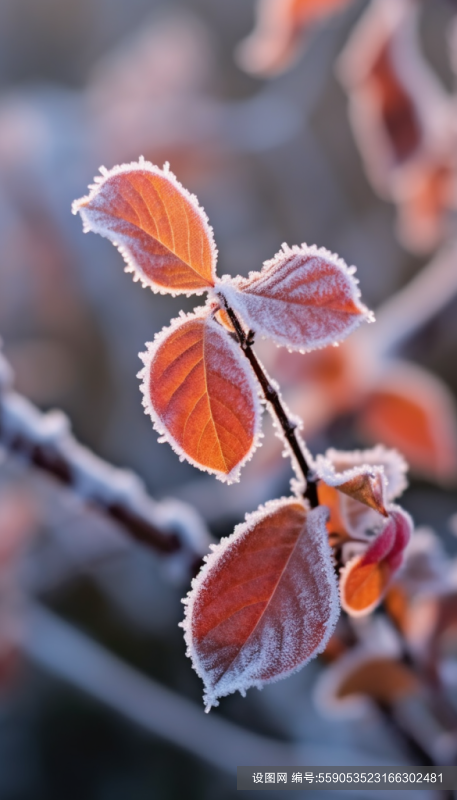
pixel 271 395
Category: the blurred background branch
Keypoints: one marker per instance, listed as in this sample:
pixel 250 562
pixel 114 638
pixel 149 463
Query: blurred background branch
pixel 85 604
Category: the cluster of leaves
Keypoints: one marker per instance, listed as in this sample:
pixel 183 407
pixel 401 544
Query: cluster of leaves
pixel 402 117
pixel 403 121
pixel 267 598
pixel 405 657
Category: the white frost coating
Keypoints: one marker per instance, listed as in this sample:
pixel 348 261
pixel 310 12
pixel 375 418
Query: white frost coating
pixel 21 418
pixel 279 639
pixel 325 471
pixel 94 479
pixel 174 515
pixel 248 377
pixel 282 301
pixel 338 466
pixel 96 222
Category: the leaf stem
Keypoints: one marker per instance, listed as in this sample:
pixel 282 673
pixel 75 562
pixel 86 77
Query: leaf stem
pixel 271 395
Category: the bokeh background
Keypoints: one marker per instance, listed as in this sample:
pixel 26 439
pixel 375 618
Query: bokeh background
pixel 271 160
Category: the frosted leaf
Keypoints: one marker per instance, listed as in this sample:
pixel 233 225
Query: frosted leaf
pixel 365 484
pixel 265 602
pixel 338 466
pixel 202 395
pixel 303 298
pixel 357 486
pixel 364 579
pixel 157 225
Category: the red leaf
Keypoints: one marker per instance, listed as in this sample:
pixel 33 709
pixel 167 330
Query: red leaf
pixel 414 411
pixel 277 38
pixel 303 298
pixel 364 579
pixel 398 109
pixel 265 602
pixel 159 228
pixel 201 395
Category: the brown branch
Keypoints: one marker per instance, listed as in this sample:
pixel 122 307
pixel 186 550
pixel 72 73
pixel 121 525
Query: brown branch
pixel 288 427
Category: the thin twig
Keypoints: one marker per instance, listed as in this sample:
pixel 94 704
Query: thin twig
pixel 288 427
pixel 412 307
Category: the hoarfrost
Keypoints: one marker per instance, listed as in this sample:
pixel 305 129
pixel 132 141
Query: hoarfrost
pixel 339 466
pixel 28 431
pixel 140 243
pixel 299 610
pixel 221 357
pixel 304 298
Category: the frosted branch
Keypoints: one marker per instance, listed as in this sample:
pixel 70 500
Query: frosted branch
pixel 46 442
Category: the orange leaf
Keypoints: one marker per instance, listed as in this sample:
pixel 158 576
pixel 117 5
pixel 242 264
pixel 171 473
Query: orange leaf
pixel 277 38
pixel 265 602
pixel 158 227
pixel 363 585
pixel 366 488
pixel 380 678
pixel 303 298
pixel 201 395
pixel 224 319
pixel 329 497
pixel 364 579
pixel 414 411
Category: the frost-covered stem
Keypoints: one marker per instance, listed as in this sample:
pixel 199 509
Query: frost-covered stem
pixel 45 441
pixel 288 427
